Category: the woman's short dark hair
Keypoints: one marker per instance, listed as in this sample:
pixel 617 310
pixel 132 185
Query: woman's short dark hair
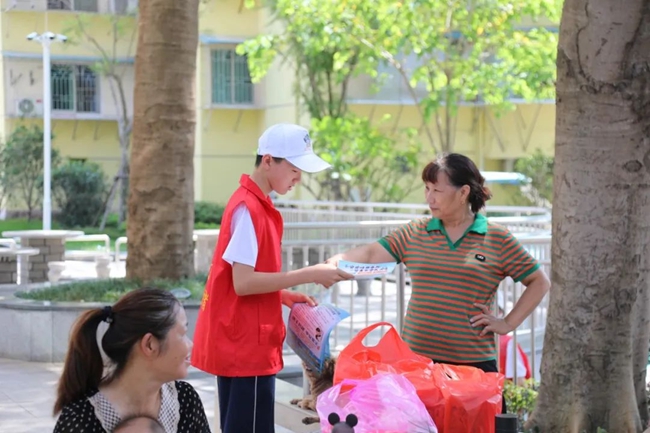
pixel 136 314
pixel 461 171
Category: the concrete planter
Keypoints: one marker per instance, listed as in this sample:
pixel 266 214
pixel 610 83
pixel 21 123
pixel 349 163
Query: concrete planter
pixel 39 330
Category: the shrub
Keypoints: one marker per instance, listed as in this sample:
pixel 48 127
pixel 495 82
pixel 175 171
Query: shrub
pixel 79 189
pixel 207 212
pixel 520 400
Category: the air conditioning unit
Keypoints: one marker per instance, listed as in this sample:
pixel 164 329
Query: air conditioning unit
pixel 29 107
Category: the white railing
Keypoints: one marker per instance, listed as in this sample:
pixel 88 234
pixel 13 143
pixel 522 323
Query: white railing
pixel 299 214
pixel 376 209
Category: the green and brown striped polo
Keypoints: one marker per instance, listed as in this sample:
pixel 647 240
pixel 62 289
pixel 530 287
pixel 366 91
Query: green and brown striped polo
pixel 447 278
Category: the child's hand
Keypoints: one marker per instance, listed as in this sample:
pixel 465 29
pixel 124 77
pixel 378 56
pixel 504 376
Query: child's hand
pixel 290 297
pixel 327 274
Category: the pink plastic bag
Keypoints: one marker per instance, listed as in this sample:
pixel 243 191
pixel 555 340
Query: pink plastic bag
pixel 385 403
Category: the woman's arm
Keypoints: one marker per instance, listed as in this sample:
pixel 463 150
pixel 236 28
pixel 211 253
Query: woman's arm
pixel 370 253
pixel 537 285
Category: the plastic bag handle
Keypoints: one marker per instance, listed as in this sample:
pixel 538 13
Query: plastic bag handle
pixel 364 332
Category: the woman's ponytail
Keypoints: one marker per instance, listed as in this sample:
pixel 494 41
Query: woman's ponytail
pixel 84 368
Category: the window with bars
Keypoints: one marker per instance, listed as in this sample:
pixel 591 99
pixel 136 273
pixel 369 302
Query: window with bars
pixel 73 5
pixel 231 80
pixel 74 88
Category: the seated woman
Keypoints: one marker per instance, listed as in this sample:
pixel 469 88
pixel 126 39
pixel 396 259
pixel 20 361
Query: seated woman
pixel 148 351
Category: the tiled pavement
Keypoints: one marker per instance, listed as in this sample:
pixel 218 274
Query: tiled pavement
pixel 27 392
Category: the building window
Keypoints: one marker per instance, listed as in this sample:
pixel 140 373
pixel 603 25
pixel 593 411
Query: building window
pixel 73 5
pixel 231 80
pixel 74 88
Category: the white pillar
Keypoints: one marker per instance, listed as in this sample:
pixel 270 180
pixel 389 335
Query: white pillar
pixel 47 134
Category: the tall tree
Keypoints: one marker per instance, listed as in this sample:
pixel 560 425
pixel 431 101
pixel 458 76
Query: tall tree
pixel 598 328
pixel 161 200
pixel 122 33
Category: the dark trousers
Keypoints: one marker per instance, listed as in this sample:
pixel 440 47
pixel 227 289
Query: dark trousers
pixel 247 404
pixel 487 366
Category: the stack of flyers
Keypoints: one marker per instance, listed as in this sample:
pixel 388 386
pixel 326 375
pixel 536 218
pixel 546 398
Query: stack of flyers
pixel 308 332
pixel 363 271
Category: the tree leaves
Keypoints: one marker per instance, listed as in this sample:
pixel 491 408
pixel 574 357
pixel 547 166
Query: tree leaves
pixel 461 52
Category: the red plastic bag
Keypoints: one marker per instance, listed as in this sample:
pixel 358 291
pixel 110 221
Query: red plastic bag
pixel 460 399
pixel 390 355
pixel 470 399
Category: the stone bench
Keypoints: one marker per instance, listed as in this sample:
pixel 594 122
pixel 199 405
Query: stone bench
pixel 9 258
pixel 102 264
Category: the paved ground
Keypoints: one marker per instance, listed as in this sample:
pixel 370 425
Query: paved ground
pixel 27 391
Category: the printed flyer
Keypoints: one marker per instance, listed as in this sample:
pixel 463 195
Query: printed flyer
pixel 362 271
pixel 309 329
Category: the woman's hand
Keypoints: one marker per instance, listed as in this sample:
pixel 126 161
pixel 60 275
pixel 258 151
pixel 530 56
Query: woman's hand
pixel 490 322
pixel 290 297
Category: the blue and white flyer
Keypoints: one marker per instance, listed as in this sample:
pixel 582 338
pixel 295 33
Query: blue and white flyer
pixel 309 329
pixel 363 271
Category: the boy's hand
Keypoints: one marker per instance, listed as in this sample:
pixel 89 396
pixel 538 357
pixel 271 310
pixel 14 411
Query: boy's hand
pixel 327 274
pixel 290 297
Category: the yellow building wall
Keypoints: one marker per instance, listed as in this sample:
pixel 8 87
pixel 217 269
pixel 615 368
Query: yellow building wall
pixel 228 143
pixel 18 24
pixel 225 18
pixel 226 138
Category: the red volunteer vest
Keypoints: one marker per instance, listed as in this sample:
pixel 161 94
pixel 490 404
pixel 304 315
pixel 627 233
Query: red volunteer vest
pixel 242 336
pixel 503 348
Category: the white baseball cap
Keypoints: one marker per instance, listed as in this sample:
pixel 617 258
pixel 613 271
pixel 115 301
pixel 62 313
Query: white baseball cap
pixel 291 142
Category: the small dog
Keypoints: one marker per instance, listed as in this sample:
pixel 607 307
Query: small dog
pixel 318 384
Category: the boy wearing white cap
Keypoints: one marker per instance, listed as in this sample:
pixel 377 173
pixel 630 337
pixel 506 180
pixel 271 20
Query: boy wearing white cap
pixel 239 331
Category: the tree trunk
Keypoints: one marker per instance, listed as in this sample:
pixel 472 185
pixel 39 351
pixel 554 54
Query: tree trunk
pixel 161 193
pixel 598 329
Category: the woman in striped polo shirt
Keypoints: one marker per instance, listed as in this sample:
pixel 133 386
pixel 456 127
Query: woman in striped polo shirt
pixel 456 260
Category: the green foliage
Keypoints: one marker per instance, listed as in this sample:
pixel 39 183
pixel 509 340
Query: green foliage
pixel 520 400
pixel 208 213
pixel 79 190
pixel 539 168
pixel 365 161
pixel 459 51
pixel 109 290
pixel 465 52
pixel 22 161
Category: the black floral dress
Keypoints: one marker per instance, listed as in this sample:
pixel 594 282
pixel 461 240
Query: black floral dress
pixel 181 411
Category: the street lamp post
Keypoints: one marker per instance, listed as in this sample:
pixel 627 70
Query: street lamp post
pixel 45 39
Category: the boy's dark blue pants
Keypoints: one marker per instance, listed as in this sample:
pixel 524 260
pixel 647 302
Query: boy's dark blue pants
pixel 247 404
